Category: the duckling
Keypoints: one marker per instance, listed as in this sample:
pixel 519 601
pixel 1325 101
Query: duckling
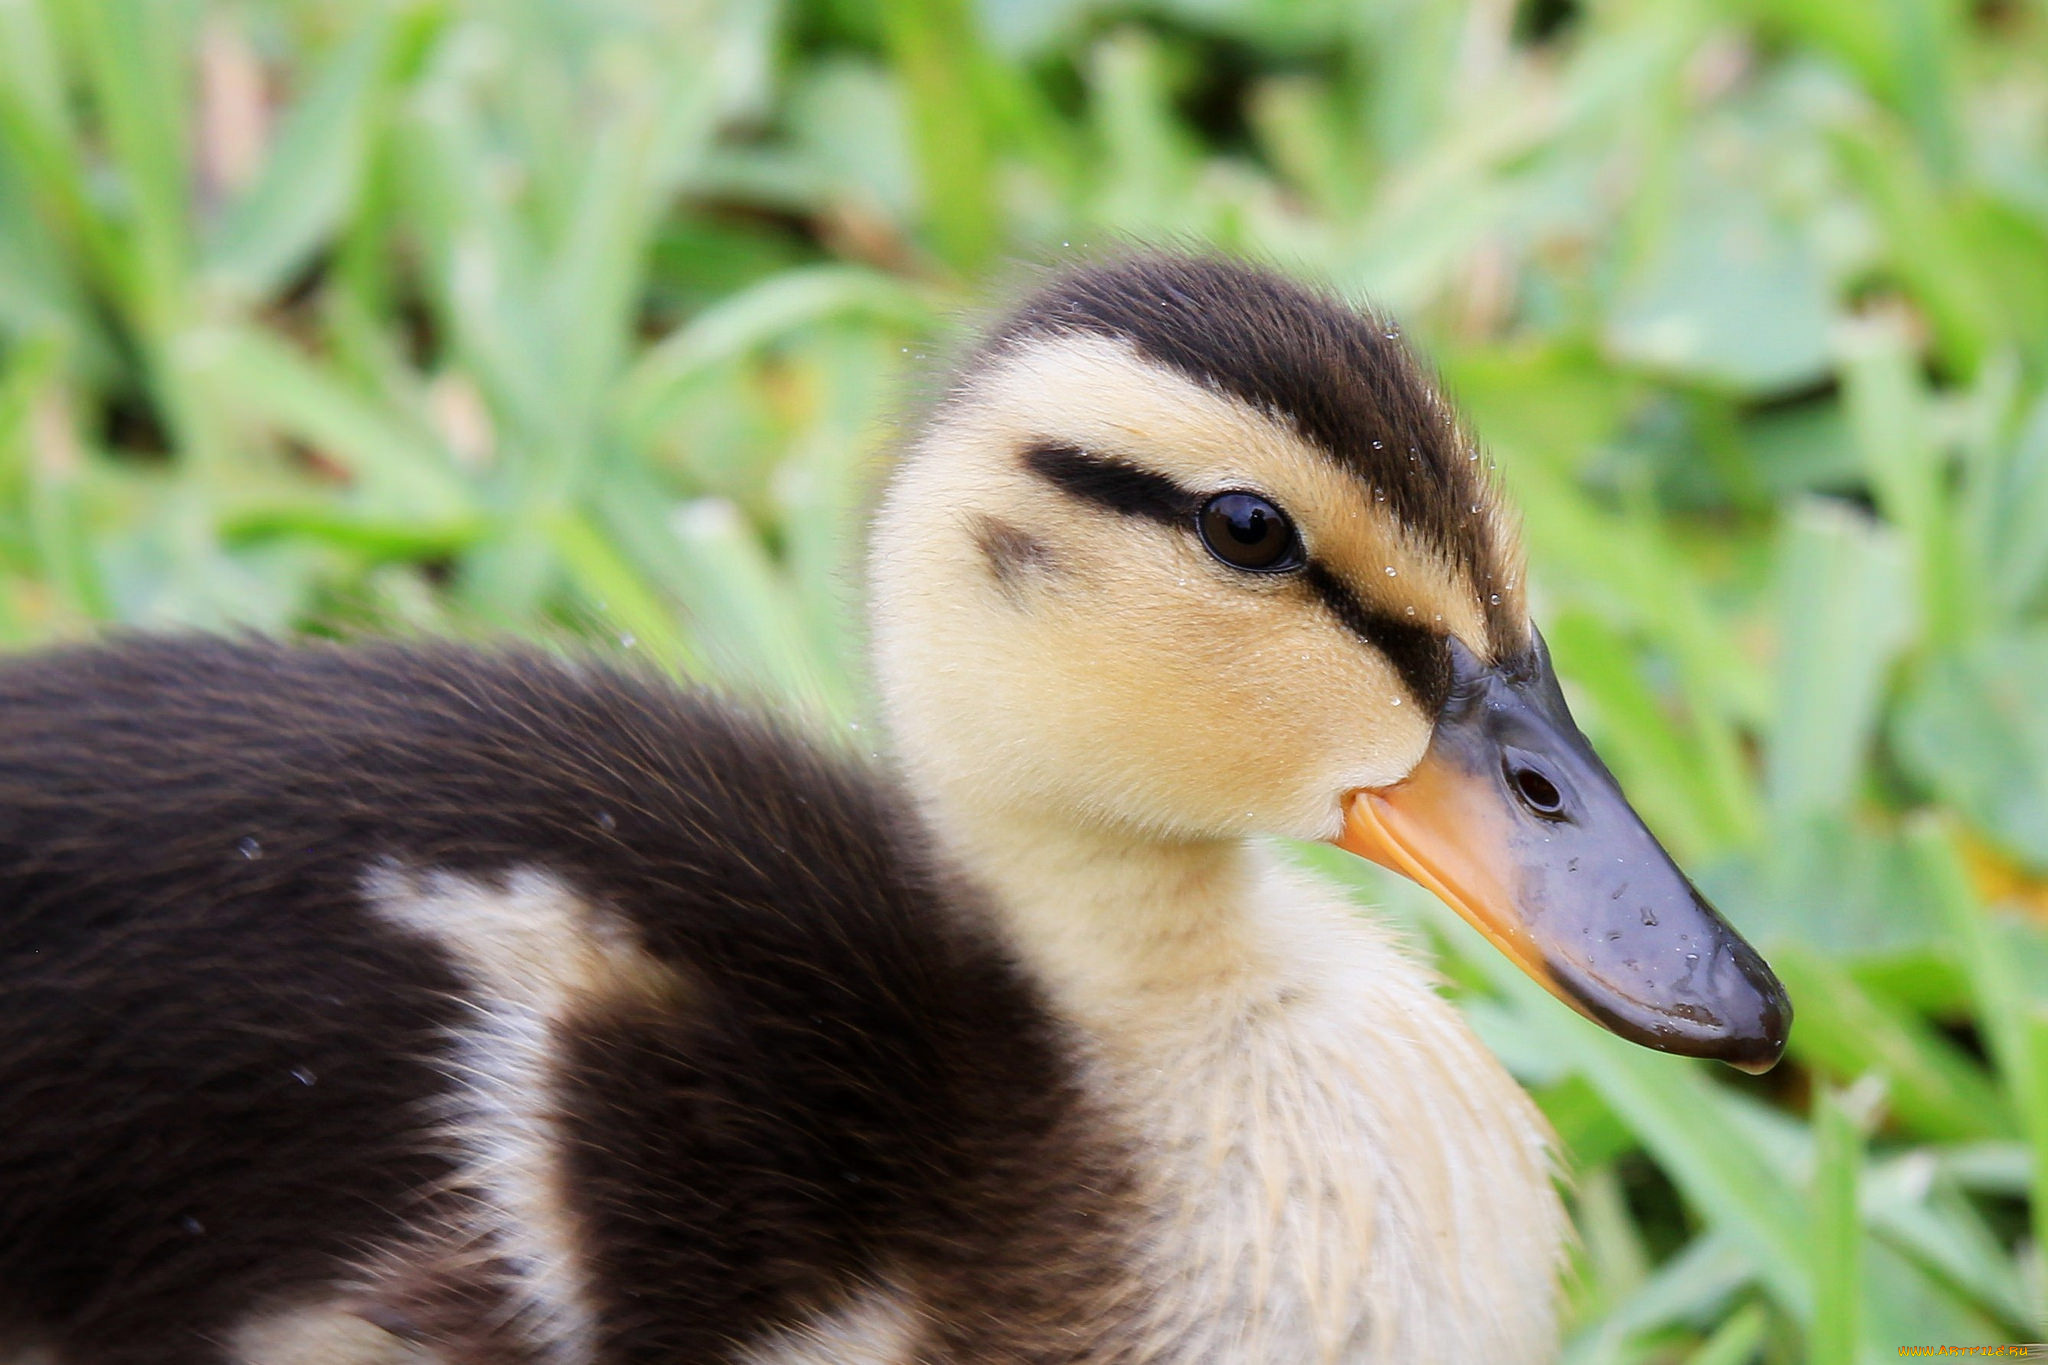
pixel 421 1003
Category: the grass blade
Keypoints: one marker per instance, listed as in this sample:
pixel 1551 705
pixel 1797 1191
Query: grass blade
pixel 1841 578
pixel 1837 1246
pixel 311 175
pixel 752 318
pixel 256 375
pixel 936 49
pixel 1848 1031
pixel 134 54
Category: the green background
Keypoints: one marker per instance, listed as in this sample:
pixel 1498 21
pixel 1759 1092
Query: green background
pixel 589 320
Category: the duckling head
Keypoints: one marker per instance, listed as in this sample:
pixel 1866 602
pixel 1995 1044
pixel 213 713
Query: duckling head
pixel 1191 553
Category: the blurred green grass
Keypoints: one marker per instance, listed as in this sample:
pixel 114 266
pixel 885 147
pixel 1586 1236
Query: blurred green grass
pixel 588 320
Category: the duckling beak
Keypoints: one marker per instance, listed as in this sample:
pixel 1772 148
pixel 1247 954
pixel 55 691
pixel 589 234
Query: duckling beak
pixel 1515 822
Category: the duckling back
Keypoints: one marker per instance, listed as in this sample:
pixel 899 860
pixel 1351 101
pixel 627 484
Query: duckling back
pixel 428 1004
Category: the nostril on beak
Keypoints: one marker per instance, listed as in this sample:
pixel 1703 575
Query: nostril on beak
pixel 1536 791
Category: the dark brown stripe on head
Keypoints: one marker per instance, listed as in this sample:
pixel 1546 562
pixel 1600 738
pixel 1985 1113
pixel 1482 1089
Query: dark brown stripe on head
pixel 1417 653
pixel 1117 485
pixel 1340 377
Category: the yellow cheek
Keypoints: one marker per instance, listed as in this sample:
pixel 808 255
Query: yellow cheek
pixel 1188 699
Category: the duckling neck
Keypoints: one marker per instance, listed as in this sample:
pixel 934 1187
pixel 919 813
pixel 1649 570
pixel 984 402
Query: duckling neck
pixel 1330 1165
pixel 1120 928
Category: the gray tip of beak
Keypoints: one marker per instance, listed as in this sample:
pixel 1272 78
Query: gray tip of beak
pixel 1732 1009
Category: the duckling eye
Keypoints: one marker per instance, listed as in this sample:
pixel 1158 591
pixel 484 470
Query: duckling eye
pixel 1247 532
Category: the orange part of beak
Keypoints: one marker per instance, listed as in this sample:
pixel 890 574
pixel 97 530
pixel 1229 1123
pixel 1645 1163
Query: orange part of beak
pixel 1439 830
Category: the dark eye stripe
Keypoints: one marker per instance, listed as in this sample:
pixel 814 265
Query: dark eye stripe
pixel 1116 484
pixel 1417 652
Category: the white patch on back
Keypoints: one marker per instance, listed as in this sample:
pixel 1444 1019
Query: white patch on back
pixel 878 1327
pixel 535 955
pixel 321 1335
pixel 27 1355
